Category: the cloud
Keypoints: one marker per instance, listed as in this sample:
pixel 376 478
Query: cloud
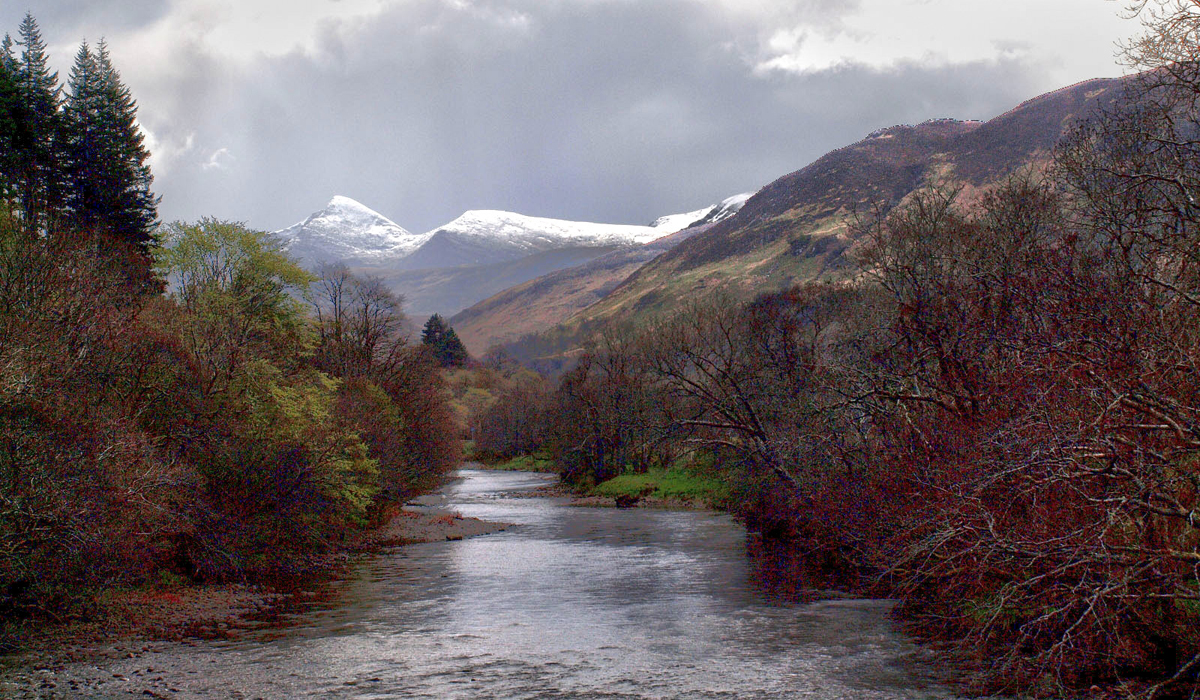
pixel 616 110
pixel 221 159
pixel 73 19
pixel 164 154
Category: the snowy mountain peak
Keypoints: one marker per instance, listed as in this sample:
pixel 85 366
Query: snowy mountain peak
pixel 349 231
pixel 356 219
pixel 708 215
pixel 350 207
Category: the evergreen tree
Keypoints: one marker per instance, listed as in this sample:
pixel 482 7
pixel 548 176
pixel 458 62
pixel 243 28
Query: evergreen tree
pixel 8 121
pixel 106 153
pixel 434 331
pixel 441 339
pixel 82 148
pixel 36 169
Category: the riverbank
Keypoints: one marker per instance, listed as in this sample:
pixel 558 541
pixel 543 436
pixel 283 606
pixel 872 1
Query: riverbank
pixel 674 488
pixel 128 622
pixel 592 499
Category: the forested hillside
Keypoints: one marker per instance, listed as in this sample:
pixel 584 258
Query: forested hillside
pixel 184 402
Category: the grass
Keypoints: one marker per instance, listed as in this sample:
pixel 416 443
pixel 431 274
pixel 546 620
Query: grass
pixel 525 463
pixel 672 484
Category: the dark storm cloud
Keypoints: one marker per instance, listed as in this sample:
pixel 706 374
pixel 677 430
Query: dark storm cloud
pixel 609 111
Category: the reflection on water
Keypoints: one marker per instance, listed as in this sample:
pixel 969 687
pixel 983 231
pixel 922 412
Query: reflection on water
pixel 572 603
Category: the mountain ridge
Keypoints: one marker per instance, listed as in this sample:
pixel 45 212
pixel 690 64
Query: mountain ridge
pixel 796 228
pixel 472 257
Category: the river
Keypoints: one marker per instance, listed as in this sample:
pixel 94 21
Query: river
pixel 571 603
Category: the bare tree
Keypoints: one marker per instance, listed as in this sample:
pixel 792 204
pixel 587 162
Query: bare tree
pixel 360 323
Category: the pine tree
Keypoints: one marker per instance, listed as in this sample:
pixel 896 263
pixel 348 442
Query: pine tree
pixel 454 353
pixel 8 121
pixel 441 339
pixel 106 152
pixel 82 148
pixel 434 331
pixel 36 168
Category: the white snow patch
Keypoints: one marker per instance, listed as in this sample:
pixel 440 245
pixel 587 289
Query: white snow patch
pixel 678 222
pixel 713 214
pixel 348 230
pixel 731 206
pixel 540 233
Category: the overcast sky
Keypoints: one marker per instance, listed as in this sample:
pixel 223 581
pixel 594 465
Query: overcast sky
pixel 603 110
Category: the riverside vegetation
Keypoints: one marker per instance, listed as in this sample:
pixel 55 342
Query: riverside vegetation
pixel 995 418
pixel 177 403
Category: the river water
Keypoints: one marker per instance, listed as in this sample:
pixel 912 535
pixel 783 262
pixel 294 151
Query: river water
pixel 571 603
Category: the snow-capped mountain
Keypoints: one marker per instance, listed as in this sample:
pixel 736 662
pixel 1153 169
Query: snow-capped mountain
pixel 352 232
pixel 348 231
pixel 708 215
pixel 485 237
pixel 478 254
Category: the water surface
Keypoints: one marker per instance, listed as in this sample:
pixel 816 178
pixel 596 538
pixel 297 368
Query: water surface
pixel 571 603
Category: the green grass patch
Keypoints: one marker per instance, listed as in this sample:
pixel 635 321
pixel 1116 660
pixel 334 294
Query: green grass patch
pixel 676 484
pixel 525 463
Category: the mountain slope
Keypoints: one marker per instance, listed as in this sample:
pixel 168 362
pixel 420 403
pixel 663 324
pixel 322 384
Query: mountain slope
pixel 552 298
pixel 448 290
pixel 795 229
pixel 543 302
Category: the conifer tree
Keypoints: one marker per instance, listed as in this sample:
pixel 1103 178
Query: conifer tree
pixel 36 167
pixel 82 148
pixel 445 344
pixel 8 121
pixel 106 152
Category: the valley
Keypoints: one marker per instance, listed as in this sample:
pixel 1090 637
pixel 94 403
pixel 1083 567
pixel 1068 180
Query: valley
pixel 918 419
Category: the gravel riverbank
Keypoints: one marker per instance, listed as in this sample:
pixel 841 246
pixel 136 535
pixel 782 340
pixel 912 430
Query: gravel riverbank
pixel 131 623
